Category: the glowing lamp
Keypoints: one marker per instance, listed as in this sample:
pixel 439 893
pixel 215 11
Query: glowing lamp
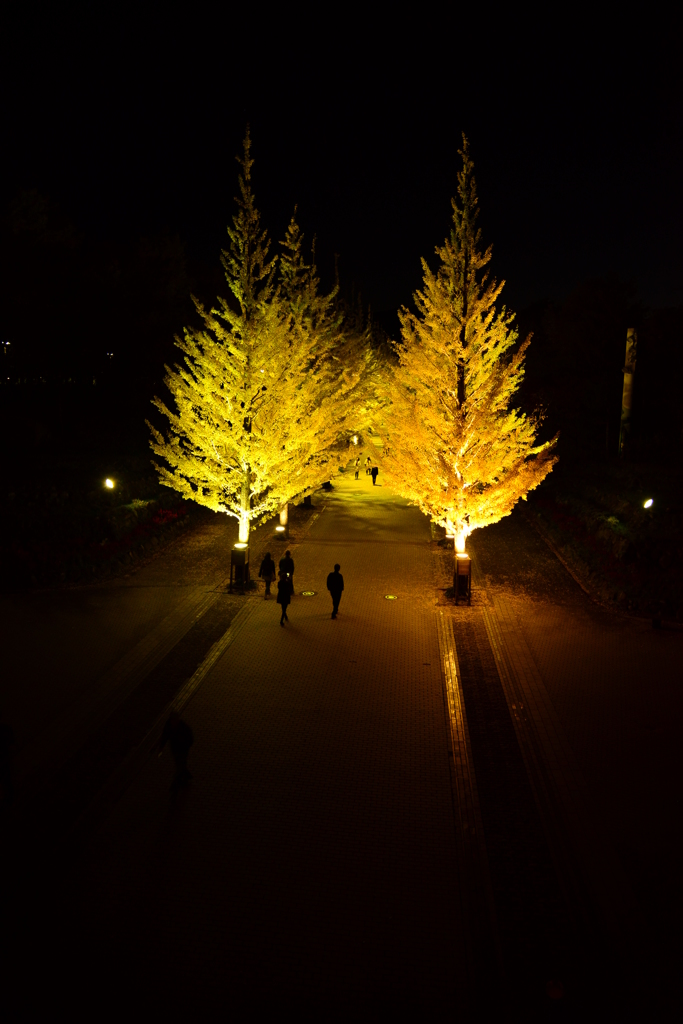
pixel 648 504
pixel 355 439
pixel 109 484
pixel 280 529
pixel 240 546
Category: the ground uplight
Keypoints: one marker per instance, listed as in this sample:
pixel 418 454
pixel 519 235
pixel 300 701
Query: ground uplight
pixel 109 484
pixel 649 503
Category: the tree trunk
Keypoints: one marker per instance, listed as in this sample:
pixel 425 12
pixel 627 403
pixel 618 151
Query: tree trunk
pixel 284 520
pixel 244 514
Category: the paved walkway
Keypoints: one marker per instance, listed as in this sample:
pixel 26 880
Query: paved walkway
pixel 414 806
pixel 312 860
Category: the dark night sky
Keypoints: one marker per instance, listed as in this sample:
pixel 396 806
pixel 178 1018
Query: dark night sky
pixel 132 127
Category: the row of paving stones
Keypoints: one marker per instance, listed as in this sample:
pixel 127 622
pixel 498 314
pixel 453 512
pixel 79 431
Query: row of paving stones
pixel 612 687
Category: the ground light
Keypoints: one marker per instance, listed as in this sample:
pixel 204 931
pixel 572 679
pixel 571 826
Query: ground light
pixel 280 529
pixel 240 546
pixel 390 597
pixel 649 503
pixel 109 484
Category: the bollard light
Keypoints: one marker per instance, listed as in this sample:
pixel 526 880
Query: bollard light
pixel 240 546
pixel 280 529
pixel 648 504
pixel 109 484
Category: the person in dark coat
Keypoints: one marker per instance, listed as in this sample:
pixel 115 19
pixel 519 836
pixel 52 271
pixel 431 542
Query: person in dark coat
pixel 179 737
pixel 267 573
pixel 286 567
pixel 374 472
pixel 335 585
pixel 284 596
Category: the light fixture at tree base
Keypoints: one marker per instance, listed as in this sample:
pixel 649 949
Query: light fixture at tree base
pixel 109 484
pixel 280 529
pixel 240 545
pixel 649 503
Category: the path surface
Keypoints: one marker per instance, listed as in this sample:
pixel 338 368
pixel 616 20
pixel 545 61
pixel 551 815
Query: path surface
pixel 413 806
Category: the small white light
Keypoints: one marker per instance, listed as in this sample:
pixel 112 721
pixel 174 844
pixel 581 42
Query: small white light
pixel 109 484
pixel 648 504
pixel 355 439
pixel 279 529
pixel 241 546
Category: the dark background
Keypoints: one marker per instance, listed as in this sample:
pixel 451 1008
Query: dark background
pixel 117 180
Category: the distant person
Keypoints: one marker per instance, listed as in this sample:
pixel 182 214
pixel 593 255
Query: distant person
pixel 368 464
pixel 179 737
pixel 6 744
pixel 286 567
pixel 267 573
pixel 357 465
pixel 284 596
pixel 375 471
pixel 335 585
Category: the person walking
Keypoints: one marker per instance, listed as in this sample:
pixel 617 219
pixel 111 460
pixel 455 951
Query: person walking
pixel 286 567
pixel 284 596
pixel 335 585
pixel 267 573
pixel 368 464
pixel 357 464
pixel 374 471
pixel 180 738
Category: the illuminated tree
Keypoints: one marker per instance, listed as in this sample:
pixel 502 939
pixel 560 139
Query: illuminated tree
pixel 333 379
pixel 452 443
pixel 266 387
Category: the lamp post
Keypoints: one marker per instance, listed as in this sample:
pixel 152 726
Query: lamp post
pixel 462 566
pixel 239 565
pixel 282 530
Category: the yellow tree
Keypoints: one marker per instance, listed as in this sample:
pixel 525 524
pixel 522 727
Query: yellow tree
pixel 453 444
pixel 254 421
pixel 333 383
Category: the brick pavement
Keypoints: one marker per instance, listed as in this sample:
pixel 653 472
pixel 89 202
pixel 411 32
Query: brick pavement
pixel 313 858
pixel 605 712
pixel 321 856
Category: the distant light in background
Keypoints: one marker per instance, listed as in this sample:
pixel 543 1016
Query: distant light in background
pixel 355 439
pixel 648 504
pixel 109 484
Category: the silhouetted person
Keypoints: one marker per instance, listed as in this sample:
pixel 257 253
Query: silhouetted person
pixel 267 573
pixel 357 465
pixel 284 596
pixel 179 737
pixel 286 567
pixel 6 744
pixel 368 464
pixel 335 585
pixel 374 471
